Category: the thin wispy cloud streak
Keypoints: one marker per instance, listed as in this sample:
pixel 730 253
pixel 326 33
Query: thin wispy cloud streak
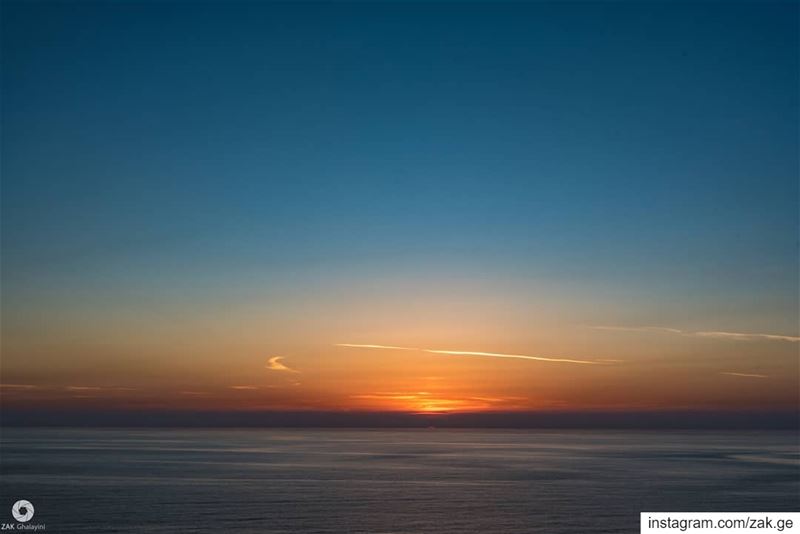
pixel 745 375
pixel 274 364
pixel 473 353
pixel 514 356
pixel 31 387
pixel 387 347
pixel 748 337
pixel 740 336
pixel 639 329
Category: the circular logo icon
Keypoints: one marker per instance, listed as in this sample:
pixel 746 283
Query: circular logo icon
pixel 22 510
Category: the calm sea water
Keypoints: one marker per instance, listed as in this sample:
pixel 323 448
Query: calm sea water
pixel 388 481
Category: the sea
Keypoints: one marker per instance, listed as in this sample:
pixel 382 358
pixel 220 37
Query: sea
pixel 387 481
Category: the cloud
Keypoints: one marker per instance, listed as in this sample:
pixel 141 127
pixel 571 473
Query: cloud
pixel 75 391
pixel 385 396
pixel 516 356
pixel 740 336
pixel 472 353
pixel 746 375
pixel 748 337
pixel 274 364
pixel 388 347
pixel 640 329
pixel 243 387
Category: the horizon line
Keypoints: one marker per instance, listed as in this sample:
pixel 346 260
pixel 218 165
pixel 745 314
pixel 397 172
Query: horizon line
pixel 649 419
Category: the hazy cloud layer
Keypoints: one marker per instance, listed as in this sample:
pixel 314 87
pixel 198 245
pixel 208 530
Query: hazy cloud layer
pixel 741 336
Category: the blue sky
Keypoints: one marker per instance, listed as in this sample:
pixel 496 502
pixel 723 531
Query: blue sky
pixel 628 136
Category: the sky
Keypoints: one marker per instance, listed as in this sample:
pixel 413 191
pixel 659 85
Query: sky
pixel 415 207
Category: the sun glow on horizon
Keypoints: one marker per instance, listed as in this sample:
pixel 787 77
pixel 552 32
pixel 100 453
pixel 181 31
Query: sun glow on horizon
pixel 425 402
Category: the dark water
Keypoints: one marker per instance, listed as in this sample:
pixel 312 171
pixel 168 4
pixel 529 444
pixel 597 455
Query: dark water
pixel 382 481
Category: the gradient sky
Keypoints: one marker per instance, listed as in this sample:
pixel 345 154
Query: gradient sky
pixel 202 201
